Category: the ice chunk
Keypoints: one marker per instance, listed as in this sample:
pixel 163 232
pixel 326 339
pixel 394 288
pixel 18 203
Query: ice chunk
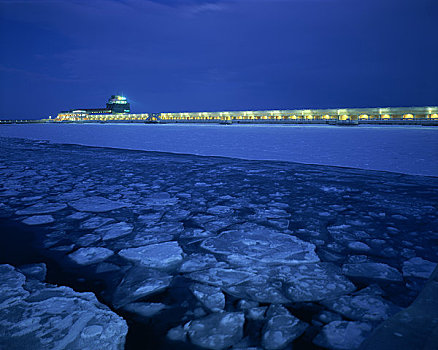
pixel 177 334
pixel 138 283
pixel 88 239
pixel 196 262
pixel 280 330
pixel 145 309
pixel 372 271
pixel 327 317
pixel 297 283
pixel 256 313
pixel 217 331
pixel 38 220
pixel 363 307
pixel 211 297
pixel 261 245
pixel 220 210
pixel 78 216
pixel 221 277
pixel 263 288
pixel 96 204
pixel 313 282
pixel 117 230
pixel 343 335
pixel 95 222
pixel 165 255
pixel 418 267
pixel 11 287
pixel 90 255
pixel 41 208
pixel 161 199
pixel 35 271
pixel 359 246
pixel 47 316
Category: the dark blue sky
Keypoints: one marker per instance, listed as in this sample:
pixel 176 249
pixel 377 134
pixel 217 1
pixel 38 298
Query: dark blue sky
pixel 182 55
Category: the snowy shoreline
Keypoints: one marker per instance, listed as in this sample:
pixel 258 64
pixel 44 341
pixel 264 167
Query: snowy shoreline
pixel 400 149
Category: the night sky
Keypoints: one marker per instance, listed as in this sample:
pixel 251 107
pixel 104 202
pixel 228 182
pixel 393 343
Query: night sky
pixel 171 56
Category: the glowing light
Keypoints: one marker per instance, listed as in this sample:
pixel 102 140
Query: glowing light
pixel 344 117
pixel 386 116
pixel 364 116
pixel 434 116
pixel 408 116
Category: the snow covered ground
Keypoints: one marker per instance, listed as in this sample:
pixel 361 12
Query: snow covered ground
pixel 403 149
pixel 215 252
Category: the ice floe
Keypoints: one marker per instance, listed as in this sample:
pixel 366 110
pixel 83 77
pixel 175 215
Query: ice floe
pixel 41 208
pixel 96 204
pixel 221 277
pixel 164 256
pixel 38 220
pixel 211 297
pixel 261 245
pixel 372 271
pixel 418 267
pixel 196 262
pixel 90 255
pixel 343 335
pixel 144 309
pixel 217 331
pixel 41 316
pixel 138 283
pixel 34 271
pixel 112 231
pixel 280 330
pixel 362 307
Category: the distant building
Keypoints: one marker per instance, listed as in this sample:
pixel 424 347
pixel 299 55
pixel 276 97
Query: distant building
pixel 116 105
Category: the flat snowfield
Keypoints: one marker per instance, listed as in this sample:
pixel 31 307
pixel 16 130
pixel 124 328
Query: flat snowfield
pixel 404 149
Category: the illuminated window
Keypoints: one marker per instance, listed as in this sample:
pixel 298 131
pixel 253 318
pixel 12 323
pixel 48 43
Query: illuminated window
pixel 363 116
pixel 386 116
pixel 408 116
pixel 344 117
pixel 434 116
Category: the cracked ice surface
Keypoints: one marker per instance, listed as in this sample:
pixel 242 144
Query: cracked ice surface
pixel 179 240
pixel 40 316
pixel 261 245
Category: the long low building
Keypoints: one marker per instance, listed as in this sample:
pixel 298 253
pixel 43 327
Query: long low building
pixel 323 115
pixel 353 115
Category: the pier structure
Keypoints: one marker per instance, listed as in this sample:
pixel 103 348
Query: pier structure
pixel 325 116
pixel 388 115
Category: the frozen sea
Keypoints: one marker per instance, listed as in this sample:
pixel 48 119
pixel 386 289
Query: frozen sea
pixel 202 252
pixel 403 149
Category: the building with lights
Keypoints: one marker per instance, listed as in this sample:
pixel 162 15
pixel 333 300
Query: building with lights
pixel 116 105
pixel 118 109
